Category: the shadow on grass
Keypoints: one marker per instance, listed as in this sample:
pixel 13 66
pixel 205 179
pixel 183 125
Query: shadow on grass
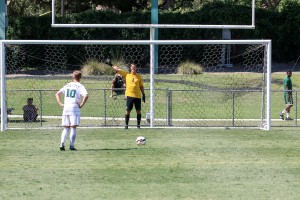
pixel 125 149
pixel 22 121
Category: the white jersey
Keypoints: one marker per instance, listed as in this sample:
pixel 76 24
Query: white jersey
pixel 73 92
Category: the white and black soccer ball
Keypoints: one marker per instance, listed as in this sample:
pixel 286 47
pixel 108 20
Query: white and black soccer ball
pixel 141 140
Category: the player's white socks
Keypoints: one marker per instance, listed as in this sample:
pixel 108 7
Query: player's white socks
pixel 287 115
pixel 64 136
pixel 72 136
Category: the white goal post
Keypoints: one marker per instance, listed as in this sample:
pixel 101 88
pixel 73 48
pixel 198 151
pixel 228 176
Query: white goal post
pixel 212 57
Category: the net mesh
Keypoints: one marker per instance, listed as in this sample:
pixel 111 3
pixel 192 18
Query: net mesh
pixel 194 87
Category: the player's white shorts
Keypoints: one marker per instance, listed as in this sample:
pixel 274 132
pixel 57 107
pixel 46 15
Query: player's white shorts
pixel 70 120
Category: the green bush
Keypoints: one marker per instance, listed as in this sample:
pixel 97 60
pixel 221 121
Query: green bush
pixel 189 67
pixel 93 67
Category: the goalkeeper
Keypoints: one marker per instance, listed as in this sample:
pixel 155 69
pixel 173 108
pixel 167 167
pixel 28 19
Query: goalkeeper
pixel 134 93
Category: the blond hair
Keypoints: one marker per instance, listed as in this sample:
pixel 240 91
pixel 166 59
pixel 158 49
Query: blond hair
pixel 77 75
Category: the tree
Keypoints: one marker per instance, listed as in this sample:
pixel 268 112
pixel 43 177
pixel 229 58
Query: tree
pixel 269 4
pixel 120 5
pixel 39 7
pixel 28 7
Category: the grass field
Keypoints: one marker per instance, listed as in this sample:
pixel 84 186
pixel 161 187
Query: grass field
pixel 174 164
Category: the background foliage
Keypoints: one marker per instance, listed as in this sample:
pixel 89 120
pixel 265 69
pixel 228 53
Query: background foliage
pixel 281 27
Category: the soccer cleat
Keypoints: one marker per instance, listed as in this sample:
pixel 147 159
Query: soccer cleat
pixel 62 148
pixel 72 148
pixel 288 118
pixel 138 127
pixel 281 116
pixel 126 127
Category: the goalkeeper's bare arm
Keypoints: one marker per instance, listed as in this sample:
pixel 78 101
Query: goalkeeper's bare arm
pixel 116 68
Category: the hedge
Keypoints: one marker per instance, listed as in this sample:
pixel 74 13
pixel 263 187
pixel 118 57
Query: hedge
pixel 281 27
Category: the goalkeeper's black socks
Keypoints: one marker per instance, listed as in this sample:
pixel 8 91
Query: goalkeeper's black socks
pixel 139 117
pixel 127 119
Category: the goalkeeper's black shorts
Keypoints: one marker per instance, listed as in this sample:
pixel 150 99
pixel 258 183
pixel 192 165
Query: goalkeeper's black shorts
pixel 130 101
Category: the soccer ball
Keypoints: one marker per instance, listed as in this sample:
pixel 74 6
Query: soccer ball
pixel 140 140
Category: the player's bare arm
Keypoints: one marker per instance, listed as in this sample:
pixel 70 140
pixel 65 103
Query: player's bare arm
pixel 57 96
pixel 85 98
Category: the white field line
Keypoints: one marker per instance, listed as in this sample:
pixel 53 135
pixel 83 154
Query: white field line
pixel 156 119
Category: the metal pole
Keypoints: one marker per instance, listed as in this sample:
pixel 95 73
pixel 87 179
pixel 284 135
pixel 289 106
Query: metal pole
pixel 233 109
pixel 105 102
pixel 269 64
pixel 169 107
pixel 226 53
pixel 53 12
pixel 253 13
pixel 296 108
pixel 2 61
pixel 2 19
pixel 152 70
pixel 154 20
pixel 153 56
pixel 3 84
pixel 41 108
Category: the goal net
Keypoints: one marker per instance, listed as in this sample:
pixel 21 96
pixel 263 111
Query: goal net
pixel 222 83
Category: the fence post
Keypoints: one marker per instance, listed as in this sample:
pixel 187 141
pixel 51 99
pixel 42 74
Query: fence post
pixel 104 94
pixel 296 109
pixel 232 108
pixel 169 107
pixel 41 108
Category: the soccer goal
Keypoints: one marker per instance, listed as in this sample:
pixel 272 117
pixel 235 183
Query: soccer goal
pixel 189 84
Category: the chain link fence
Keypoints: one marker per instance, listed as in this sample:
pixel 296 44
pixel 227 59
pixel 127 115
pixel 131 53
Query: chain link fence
pixel 173 108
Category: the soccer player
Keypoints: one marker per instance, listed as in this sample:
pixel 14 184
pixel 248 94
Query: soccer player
pixel 117 83
pixel 288 98
pixel 75 96
pixel 134 92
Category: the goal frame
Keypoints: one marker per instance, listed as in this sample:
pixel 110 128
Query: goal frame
pixel 210 26
pixel 152 43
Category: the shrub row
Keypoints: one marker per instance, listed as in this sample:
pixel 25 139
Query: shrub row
pixel 281 27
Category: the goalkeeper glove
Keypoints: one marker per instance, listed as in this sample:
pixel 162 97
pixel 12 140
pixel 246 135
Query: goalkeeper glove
pixel 144 98
pixel 108 62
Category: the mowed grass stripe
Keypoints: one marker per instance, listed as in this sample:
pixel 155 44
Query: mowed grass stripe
pixel 174 164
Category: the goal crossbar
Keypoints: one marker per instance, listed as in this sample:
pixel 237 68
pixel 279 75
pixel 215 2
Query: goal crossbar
pixel 136 42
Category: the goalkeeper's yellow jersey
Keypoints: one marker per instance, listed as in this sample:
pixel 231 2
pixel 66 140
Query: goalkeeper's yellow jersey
pixel 133 84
